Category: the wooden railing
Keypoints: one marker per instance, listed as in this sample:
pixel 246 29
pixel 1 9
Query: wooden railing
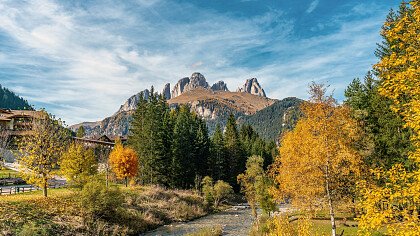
pixel 23 189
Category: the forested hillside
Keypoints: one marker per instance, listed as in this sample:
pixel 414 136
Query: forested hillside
pixel 10 100
pixel 270 122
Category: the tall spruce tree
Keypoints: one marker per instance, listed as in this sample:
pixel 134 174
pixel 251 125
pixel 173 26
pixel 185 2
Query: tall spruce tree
pixel 217 163
pixel 183 154
pixel 236 156
pixel 149 137
pixel 387 139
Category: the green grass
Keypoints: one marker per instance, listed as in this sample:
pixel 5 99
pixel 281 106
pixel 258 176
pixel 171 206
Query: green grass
pixel 6 172
pixel 323 227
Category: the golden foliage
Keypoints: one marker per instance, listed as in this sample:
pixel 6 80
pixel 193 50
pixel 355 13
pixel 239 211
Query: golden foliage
pixel 41 151
pixel 123 161
pixel 318 154
pixel 78 163
pixel 395 205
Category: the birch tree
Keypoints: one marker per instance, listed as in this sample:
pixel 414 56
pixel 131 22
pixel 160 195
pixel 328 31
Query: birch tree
pixel 318 166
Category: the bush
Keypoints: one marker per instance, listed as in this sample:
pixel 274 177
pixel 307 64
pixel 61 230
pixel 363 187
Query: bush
pixel 221 191
pixel 207 189
pixel 215 193
pixel 31 229
pixel 100 202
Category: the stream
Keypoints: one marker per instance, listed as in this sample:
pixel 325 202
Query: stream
pixel 237 221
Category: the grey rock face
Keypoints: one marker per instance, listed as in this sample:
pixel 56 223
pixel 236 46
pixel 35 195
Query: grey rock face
pixel 219 86
pixel 167 91
pixel 187 84
pixel 253 87
pixel 131 103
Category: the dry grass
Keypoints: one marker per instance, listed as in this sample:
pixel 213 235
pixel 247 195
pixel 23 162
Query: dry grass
pixel 244 102
pixel 145 208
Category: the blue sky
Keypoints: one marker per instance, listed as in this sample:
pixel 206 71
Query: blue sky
pixel 82 59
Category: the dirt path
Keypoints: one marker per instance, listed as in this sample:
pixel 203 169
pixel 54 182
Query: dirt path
pixel 234 221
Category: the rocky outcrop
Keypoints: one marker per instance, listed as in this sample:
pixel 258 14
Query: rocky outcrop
pixel 253 87
pixel 131 103
pixel 167 91
pixel 219 86
pixel 196 80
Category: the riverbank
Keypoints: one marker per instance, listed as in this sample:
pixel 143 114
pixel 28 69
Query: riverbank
pixel 144 209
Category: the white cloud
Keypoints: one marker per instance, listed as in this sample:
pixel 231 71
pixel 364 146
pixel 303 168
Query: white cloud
pixel 83 62
pixel 312 6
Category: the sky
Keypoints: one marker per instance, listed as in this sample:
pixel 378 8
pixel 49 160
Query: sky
pixel 82 59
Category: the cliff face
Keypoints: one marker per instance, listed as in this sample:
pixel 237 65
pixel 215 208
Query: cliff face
pixel 186 84
pixel 219 86
pixel 213 103
pixel 253 87
pixel 131 103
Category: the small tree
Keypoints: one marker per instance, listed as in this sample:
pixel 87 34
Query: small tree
pixel 215 193
pixel 254 184
pixel 81 132
pixel 41 150
pixel 221 191
pixel 207 189
pixel 123 161
pixel 77 164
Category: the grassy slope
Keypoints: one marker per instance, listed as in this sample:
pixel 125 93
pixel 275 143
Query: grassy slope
pixel 145 208
pixel 6 171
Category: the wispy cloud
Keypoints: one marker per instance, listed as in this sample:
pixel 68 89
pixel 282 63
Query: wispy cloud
pixel 81 60
pixel 312 6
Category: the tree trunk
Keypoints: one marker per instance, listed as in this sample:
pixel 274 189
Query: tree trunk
pixel 44 189
pixel 126 181
pixel 333 227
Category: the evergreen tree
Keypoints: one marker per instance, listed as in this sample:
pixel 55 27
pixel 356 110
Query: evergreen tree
pixel 202 148
pixel 149 137
pixel 183 150
pixel 386 137
pixel 217 162
pixel 81 132
pixel 9 100
pixel 236 156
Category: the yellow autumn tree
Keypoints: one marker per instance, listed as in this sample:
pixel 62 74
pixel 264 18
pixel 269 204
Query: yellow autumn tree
pixel 77 164
pixel 318 165
pixel 395 204
pixel 123 161
pixel 41 150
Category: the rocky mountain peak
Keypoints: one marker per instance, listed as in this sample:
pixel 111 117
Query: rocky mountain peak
pixel 167 91
pixel 219 86
pixel 187 84
pixel 131 103
pixel 253 87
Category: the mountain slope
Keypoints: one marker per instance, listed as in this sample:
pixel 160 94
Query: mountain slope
pixel 9 100
pixel 272 121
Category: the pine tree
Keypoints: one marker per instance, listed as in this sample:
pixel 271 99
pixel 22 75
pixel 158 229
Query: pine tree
pixel 217 163
pixel 150 136
pixel 235 154
pixel 183 158
pixel 387 141
pixel 81 132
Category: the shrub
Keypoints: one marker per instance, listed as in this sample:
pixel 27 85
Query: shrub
pixel 31 229
pixel 100 202
pixel 207 189
pixel 221 191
